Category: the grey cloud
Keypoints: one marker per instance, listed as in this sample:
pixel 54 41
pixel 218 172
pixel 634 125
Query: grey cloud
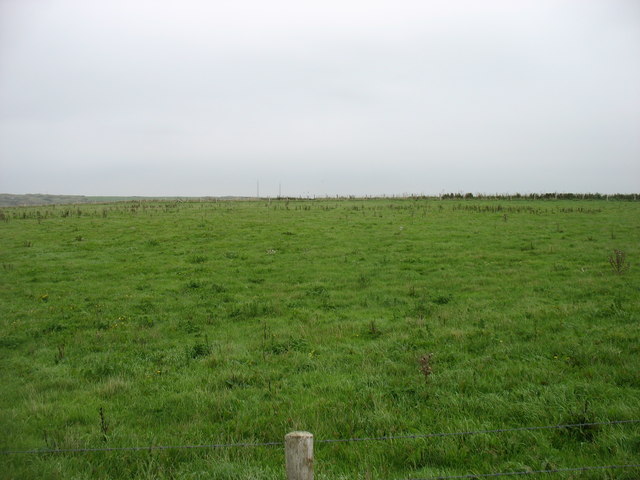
pixel 360 98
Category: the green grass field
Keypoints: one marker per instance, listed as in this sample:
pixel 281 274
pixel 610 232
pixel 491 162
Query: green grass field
pixel 179 323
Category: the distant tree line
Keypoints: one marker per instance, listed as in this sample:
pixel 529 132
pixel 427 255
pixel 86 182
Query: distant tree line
pixel 12 200
pixel 629 197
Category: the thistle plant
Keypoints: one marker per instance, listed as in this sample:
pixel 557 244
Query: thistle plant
pixel 618 262
pixel 425 365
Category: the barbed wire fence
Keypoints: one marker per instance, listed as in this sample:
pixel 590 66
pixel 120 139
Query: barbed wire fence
pixel 372 439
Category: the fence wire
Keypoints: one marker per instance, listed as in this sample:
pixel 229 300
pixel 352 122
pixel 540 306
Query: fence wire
pixel 530 472
pixel 327 440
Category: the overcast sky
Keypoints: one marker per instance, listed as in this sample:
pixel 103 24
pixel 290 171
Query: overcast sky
pixel 322 97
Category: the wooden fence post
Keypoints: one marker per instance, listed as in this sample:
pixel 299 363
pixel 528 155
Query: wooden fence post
pixel 298 451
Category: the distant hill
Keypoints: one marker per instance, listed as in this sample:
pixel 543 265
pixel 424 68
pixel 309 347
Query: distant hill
pixel 30 199
pixel 12 200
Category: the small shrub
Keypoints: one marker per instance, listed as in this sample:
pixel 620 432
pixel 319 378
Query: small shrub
pixel 104 425
pixel 363 280
pixel 287 345
pixel 425 365
pixel 373 331
pixel 199 350
pixel 528 248
pixel 618 262
pixel 442 299
pixel 583 433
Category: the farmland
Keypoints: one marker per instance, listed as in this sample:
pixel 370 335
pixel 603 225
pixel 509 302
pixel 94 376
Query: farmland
pixel 188 323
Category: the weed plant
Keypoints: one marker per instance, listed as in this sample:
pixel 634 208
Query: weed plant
pixel 187 323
